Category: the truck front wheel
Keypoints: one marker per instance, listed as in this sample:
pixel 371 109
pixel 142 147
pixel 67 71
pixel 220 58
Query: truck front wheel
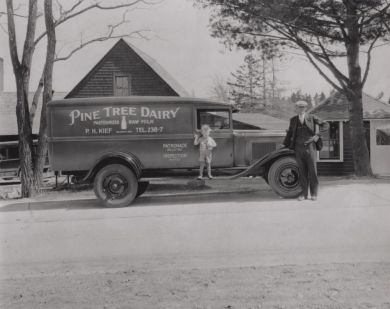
pixel 283 177
pixel 115 185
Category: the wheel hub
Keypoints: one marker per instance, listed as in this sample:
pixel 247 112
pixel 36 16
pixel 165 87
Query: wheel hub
pixel 115 186
pixel 289 177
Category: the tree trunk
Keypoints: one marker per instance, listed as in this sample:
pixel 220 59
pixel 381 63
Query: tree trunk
pixel 47 92
pixel 264 82
pixel 354 94
pixel 25 147
pixel 22 78
pixel 273 80
pixel 35 101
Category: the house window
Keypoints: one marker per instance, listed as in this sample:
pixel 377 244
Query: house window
pixel 383 136
pixel 122 85
pixel 9 154
pixel 332 150
pixel 216 119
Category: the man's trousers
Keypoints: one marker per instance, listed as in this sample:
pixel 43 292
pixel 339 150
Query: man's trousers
pixel 306 159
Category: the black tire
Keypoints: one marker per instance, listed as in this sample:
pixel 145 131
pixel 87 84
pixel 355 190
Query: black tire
pixel 283 177
pixel 142 187
pixel 115 185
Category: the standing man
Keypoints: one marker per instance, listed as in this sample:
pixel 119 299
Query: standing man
pixel 301 137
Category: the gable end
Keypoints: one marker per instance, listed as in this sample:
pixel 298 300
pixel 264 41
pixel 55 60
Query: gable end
pixel 122 59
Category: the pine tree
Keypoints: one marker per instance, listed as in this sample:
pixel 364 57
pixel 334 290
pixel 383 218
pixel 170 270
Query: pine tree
pixel 298 96
pixel 248 83
pixel 316 99
pixel 324 30
pixel 294 97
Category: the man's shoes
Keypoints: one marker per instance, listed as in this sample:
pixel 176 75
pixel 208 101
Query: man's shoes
pixel 314 198
pixel 301 198
pixel 210 177
pixel 200 177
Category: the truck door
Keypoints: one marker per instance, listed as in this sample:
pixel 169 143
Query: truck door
pixel 220 121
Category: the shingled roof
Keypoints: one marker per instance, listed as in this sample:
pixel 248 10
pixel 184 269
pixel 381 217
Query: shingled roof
pixel 336 107
pixel 164 74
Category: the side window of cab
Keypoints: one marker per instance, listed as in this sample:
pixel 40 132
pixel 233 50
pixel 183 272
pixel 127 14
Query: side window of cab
pixel 217 119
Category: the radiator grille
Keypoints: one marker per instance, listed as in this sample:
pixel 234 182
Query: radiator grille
pixel 261 149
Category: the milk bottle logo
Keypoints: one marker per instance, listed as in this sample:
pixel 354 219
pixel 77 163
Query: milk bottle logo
pixel 123 123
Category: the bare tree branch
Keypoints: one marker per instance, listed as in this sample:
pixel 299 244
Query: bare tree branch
pixel 15 10
pixel 368 63
pixel 73 12
pixel 29 46
pixel 380 14
pixel 292 36
pixel 3 29
pixel 99 39
pixel 35 100
pixel 332 66
pixel 12 34
pixel 341 78
pixel 14 14
pixel 109 36
pixel 321 72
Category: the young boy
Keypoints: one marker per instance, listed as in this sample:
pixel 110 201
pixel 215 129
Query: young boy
pixel 206 145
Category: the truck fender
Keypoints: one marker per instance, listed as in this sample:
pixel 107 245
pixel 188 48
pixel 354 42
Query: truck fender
pixel 261 166
pixel 127 159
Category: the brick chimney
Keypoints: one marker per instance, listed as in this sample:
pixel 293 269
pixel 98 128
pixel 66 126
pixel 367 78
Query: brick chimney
pixel 1 75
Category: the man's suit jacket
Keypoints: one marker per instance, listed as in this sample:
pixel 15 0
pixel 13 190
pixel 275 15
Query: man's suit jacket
pixel 311 121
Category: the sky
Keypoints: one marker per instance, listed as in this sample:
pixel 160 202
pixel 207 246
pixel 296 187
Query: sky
pixel 179 39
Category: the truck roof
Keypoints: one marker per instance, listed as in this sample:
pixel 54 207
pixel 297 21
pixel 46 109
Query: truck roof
pixel 136 100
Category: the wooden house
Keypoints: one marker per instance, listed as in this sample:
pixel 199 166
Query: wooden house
pixel 125 70
pixel 336 156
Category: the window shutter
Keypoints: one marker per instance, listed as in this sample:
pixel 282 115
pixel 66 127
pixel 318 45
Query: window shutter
pixel 122 85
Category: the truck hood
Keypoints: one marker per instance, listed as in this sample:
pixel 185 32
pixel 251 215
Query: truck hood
pixel 260 133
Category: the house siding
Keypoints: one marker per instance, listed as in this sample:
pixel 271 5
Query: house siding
pixel 346 167
pixel 122 59
pixel 339 168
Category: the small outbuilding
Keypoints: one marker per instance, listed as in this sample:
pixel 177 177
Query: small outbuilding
pixel 336 156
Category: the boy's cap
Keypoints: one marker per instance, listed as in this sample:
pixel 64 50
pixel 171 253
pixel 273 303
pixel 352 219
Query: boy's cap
pixel 301 104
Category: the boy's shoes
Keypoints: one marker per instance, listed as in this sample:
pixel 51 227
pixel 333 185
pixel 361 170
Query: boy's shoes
pixel 314 198
pixel 200 177
pixel 301 198
pixel 210 177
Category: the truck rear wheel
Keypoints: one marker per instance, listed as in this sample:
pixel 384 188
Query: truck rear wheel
pixel 115 185
pixel 283 177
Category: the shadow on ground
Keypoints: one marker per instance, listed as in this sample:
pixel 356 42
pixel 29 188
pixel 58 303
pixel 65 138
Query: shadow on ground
pixel 152 200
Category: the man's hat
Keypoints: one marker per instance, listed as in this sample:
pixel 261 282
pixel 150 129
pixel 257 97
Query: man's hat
pixel 301 104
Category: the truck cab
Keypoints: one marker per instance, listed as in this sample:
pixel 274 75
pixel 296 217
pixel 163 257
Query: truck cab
pixel 116 141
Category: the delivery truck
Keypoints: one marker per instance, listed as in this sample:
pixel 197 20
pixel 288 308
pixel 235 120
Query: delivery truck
pixel 117 142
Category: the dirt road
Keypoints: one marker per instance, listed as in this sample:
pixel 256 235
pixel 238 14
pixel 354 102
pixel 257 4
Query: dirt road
pixel 249 250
